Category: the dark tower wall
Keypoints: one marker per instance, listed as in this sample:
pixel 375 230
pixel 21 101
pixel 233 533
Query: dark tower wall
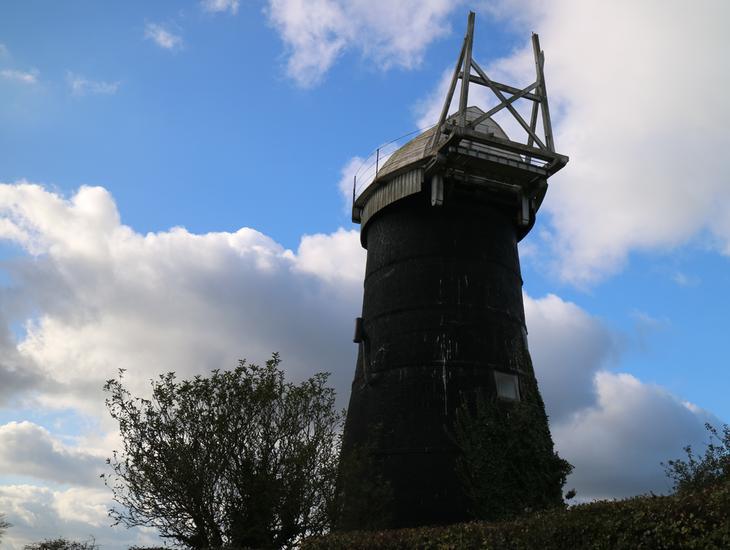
pixel 442 311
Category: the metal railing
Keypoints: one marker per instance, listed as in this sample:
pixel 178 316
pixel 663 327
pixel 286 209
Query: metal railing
pixel 372 164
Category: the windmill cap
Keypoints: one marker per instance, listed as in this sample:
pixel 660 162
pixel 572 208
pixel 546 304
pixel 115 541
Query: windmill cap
pixel 418 148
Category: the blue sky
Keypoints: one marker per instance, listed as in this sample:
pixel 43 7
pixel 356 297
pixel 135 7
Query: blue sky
pixel 171 199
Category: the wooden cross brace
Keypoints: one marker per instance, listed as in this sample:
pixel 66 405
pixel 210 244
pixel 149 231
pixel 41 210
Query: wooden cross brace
pixel 535 92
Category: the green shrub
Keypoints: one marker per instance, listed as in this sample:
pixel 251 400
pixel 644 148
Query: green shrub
pixel 706 470
pixel 63 544
pixel 235 459
pixel 688 520
pixel 364 497
pixel 508 465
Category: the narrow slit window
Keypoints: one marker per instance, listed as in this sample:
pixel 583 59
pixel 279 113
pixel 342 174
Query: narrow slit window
pixel 508 386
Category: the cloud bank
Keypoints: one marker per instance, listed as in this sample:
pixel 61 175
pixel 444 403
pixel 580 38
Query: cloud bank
pixel 613 428
pixel 27 449
pixel 109 298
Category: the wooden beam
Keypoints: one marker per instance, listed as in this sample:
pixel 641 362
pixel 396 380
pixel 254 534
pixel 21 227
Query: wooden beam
pixel 533 125
pixel 449 96
pixel 506 144
pixel 501 87
pixel 539 64
pixel 497 108
pixel 464 97
pixel 512 110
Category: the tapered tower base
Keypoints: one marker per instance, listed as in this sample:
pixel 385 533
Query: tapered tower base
pixel 443 321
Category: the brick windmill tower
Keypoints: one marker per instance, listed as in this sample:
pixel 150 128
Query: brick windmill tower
pixel 443 319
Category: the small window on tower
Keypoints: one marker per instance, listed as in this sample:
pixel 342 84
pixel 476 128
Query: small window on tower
pixel 508 386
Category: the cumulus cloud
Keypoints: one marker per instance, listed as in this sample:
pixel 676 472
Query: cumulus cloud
pixel 617 445
pixel 641 174
pixel 615 429
pixel 24 77
pixel 335 258
pixel 111 298
pixel 387 34
pixel 220 6
pixel 17 374
pixel 568 347
pixel 27 449
pixel 38 513
pixel 163 36
pixel 84 86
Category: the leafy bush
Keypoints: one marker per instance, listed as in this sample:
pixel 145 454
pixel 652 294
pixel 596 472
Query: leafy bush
pixel 63 544
pixel 237 459
pixel 364 497
pixel 688 520
pixel 508 465
pixel 702 471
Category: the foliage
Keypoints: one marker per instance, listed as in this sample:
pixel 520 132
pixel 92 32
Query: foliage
pixel 3 525
pixel 63 544
pixel 508 464
pixel 364 496
pixel 238 459
pixel 702 471
pixel 689 520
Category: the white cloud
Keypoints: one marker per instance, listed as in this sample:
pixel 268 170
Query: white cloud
pixel 349 170
pixel 220 5
pixel 111 298
pixel 38 513
pixel 17 374
pixel 336 258
pixel 4 52
pixel 163 36
pixel 641 175
pixel 617 445
pixel 24 77
pixel 387 34
pixel 82 86
pixel 568 347
pixel 27 449
pixel 613 428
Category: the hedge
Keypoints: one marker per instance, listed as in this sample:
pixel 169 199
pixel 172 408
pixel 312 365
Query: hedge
pixel 699 520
